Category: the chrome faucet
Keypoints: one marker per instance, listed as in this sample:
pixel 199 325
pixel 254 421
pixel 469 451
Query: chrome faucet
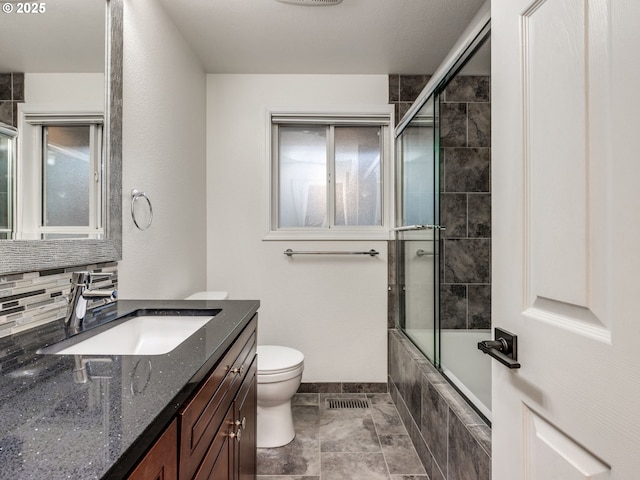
pixel 79 297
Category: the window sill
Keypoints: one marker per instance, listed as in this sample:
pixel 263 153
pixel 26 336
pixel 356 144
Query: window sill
pixel 289 235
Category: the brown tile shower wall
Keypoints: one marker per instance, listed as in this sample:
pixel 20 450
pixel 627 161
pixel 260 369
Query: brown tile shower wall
pixel 11 93
pixel 451 439
pixel 32 299
pixel 465 203
pixel 403 91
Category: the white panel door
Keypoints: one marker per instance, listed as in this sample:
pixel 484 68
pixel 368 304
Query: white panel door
pixel 566 255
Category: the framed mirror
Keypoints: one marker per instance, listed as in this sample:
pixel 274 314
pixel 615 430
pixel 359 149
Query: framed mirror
pixel 64 141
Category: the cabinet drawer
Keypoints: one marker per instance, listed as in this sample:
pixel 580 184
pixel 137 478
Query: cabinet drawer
pixel 206 411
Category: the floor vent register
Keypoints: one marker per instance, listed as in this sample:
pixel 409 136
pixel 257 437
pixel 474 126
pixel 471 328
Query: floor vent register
pixel 347 403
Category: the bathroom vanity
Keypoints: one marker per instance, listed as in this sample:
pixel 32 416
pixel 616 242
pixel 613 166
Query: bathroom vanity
pixel 213 435
pixel 189 413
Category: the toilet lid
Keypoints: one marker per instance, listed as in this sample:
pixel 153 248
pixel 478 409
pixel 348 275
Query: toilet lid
pixel 277 359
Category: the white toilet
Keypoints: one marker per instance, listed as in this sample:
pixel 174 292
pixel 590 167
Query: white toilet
pixel 279 375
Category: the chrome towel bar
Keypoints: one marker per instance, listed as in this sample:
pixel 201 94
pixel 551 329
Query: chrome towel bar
pixel 288 252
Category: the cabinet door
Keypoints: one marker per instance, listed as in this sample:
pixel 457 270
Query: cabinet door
pixel 218 463
pixel 204 414
pixel 246 408
pixel 161 462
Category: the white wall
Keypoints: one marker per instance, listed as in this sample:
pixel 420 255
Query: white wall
pixel 163 155
pixel 333 309
pixel 71 90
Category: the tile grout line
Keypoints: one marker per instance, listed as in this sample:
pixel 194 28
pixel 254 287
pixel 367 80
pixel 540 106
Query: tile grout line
pixel 375 428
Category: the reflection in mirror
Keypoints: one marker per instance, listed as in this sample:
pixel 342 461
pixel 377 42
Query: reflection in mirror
pixel 7 152
pixel 70 172
pixel 61 68
pixel 64 153
pixel 52 67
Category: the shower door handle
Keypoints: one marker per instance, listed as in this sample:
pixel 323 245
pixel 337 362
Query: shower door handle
pixel 504 348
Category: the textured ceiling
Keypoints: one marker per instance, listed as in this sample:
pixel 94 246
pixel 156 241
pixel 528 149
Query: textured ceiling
pixel 253 36
pixel 354 37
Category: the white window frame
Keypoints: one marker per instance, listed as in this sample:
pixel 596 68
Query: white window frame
pixel 31 155
pixel 375 116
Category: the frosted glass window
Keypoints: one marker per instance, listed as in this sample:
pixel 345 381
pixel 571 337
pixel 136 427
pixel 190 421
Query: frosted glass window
pixel 302 195
pixel 329 175
pixel 67 175
pixel 358 185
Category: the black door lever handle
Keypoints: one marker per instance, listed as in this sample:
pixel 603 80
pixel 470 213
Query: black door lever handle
pixel 504 348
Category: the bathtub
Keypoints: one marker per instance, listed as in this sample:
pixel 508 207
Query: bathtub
pixel 467 367
pixel 462 363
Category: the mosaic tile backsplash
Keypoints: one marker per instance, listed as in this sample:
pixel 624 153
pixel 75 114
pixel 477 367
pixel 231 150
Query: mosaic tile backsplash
pixel 28 300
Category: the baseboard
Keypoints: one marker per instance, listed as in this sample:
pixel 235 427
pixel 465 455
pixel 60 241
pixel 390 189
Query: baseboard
pixel 338 387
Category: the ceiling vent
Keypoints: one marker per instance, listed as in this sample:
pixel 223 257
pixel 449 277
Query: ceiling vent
pixel 311 3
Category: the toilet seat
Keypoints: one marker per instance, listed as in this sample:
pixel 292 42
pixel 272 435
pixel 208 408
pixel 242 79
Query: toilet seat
pixel 277 363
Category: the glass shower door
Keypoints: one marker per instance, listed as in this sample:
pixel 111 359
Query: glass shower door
pixel 417 240
pixel 444 174
pixel 464 105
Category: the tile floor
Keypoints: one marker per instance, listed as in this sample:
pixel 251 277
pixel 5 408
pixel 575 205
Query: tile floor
pixel 343 444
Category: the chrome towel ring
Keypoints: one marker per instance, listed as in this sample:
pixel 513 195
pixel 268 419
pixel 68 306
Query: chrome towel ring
pixel 135 195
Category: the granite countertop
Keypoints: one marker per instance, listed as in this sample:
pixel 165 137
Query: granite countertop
pixel 52 427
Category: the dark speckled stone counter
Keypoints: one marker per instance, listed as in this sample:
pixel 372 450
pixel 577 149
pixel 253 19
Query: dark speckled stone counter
pixel 54 428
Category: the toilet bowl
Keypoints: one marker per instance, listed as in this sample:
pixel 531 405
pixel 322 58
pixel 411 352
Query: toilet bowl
pixel 279 375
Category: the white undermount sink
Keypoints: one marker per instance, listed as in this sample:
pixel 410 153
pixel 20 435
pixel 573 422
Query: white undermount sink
pixel 141 335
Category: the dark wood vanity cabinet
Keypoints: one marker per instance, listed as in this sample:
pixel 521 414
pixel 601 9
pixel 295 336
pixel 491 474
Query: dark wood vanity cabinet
pixel 216 429
pixel 212 432
pixel 161 462
pixel 232 454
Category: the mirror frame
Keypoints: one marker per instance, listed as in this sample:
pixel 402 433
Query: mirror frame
pixel 17 256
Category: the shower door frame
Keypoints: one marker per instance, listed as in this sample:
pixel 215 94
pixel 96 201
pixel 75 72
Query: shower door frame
pixel 413 232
